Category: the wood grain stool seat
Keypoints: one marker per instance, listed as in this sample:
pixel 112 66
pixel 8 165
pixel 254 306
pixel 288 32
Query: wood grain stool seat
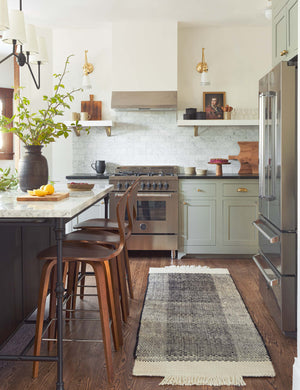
pixel 99 224
pixel 108 239
pixel 103 262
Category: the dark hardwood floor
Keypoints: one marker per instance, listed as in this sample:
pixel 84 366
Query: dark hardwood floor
pixel 84 362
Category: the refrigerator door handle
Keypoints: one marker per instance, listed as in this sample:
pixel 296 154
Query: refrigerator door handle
pixel 272 240
pixel 271 282
pixel 273 102
pixel 262 124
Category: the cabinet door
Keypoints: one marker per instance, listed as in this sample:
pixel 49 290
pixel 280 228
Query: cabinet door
pixel 198 222
pixel 279 36
pixel 292 28
pixel 238 215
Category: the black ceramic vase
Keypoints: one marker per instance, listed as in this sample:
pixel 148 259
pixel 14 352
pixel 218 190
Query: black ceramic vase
pixel 33 168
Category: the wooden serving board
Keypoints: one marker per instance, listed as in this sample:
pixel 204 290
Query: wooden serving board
pixel 248 157
pixel 53 198
pixel 93 108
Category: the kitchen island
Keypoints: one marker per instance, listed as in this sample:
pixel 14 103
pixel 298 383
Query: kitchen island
pixel 27 228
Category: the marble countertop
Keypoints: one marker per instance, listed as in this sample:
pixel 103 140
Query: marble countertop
pixel 213 176
pixel 66 208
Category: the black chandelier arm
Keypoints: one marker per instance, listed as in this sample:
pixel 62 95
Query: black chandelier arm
pixel 7 57
pixel 37 83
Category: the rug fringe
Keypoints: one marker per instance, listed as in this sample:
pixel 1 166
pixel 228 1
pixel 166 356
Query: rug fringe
pixel 203 380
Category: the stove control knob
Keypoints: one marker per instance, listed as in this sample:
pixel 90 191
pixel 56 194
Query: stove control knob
pixel 119 186
pixel 166 185
pixel 127 185
pixel 148 185
pixel 142 186
pixel 154 186
pixel 143 226
pixel 160 186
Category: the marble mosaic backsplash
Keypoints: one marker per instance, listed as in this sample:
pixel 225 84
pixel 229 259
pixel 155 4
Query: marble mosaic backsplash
pixel 153 138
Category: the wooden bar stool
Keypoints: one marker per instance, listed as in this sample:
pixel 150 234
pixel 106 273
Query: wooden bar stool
pixel 109 225
pixel 103 262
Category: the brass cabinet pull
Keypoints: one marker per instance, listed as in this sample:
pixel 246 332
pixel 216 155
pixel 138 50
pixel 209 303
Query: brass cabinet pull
pixel 199 190
pixel 185 203
pixel 242 190
pixel 102 202
pixel 283 53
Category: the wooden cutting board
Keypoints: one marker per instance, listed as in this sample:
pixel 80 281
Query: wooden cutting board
pixel 93 108
pixel 53 198
pixel 248 157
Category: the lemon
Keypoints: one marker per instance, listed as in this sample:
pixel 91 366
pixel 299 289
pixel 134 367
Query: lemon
pixel 40 192
pixel 31 192
pixel 49 189
pixel 43 187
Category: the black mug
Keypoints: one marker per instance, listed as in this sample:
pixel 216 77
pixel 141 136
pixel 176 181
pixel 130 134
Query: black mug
pixel 99 166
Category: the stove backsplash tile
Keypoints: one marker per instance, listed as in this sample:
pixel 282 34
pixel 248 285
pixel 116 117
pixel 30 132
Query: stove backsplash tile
pixel 153 138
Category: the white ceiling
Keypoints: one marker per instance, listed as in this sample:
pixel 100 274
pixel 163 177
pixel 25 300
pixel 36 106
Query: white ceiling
pixel 88 13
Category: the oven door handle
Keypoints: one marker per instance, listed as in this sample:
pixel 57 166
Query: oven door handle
pixel 271 282
pixel 154 194
pixel 272 240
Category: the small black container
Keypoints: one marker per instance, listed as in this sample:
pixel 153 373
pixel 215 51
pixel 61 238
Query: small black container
pixel 201 115
pixel 189 116
pixel 191 111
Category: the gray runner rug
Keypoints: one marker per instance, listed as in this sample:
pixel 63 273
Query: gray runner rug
pixel 196 330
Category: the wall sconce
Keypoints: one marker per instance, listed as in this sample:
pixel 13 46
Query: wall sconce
pixel 87 69
pixel 268 10
pixel 202 68
pixel 32 49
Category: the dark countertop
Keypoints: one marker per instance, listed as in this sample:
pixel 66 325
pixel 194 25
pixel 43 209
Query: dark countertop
pixel 87 176
pixel 213 176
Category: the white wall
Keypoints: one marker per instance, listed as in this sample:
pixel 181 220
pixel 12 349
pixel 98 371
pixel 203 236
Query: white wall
pixel 144 56
pixel 99 46
pixel 237 57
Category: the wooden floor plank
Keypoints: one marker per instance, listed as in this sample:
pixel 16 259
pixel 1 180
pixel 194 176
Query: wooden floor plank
pixel 84 363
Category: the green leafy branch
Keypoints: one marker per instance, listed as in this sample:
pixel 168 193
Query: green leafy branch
pixel 40 128
pixel 8 180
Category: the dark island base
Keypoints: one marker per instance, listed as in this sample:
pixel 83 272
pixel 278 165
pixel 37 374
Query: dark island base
pixel 20 272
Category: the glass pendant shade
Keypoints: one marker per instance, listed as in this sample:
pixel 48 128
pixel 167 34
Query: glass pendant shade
pixel 42 55
pixel 86 83
pixel 31 46
pixel 4 21
pixel 17 28
pixel 204 79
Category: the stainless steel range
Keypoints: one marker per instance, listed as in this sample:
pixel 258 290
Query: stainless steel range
pixel 156 225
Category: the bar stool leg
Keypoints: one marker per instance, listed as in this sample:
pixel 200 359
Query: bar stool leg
pixel 45 279
pixel 123 289
pixel 104 315
pixel 127 266
pixel 82 281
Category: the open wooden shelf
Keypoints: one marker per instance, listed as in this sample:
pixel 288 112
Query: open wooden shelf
pixel 106 124
pixel 219 122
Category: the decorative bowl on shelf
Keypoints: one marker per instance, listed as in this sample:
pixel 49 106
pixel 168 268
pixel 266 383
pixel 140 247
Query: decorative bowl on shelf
pixel 80 186
pixel 201 172
pixel 189 170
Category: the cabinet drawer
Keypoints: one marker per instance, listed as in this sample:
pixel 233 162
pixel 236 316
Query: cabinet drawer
pixel 198 189
pixel 240 189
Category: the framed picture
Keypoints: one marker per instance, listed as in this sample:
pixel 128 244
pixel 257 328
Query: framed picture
pixel 213 103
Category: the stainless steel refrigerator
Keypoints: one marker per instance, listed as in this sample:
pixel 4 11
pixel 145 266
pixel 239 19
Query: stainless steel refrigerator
pixel 277 222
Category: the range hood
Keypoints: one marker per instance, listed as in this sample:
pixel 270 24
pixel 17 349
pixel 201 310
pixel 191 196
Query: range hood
pixel 144 100
pixel 144 65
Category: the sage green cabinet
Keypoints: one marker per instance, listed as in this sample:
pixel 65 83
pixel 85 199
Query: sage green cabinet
pixel 216 215
pixel 285 32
